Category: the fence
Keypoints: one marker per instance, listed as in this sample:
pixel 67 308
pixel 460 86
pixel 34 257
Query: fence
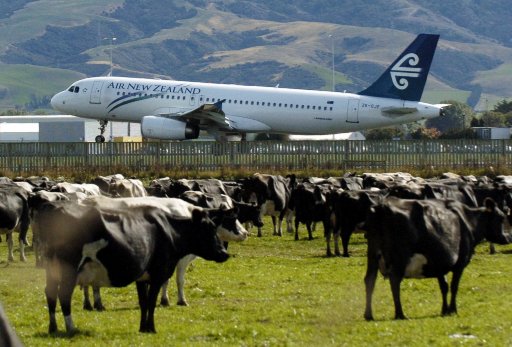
pixel 23 158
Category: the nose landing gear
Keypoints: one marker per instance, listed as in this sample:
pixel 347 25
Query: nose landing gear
pixel 103 125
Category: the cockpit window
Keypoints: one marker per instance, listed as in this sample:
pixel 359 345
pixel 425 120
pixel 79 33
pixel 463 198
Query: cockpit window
pixel 77 89
pixel 71 89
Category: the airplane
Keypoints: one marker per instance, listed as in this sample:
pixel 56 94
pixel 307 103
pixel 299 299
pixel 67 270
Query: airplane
pixel 178 110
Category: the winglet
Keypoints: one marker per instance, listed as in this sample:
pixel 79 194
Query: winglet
pixel 405 78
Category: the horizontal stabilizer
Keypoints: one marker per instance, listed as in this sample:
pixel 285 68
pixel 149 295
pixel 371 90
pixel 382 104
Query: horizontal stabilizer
pixel 399 111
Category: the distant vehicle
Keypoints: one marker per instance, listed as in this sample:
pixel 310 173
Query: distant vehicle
pixel 176 110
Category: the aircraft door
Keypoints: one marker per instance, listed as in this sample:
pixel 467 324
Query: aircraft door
pixel 192 99
pixel 353 111
pixel 96 92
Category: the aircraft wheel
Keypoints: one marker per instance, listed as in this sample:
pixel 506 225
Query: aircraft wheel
pixel 100 138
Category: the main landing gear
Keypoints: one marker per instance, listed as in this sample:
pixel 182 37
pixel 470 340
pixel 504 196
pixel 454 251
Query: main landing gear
pixel 103 125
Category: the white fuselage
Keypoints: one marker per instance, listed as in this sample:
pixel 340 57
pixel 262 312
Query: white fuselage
pixel 247 109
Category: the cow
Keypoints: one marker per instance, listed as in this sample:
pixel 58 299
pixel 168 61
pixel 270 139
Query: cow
pixel 350 208
pixel 272 194
pixel 222 211
pixel 14 216
pixel 309 205
pixel 127 188
pixel 87 188
pixel 426 239
pixel 115 244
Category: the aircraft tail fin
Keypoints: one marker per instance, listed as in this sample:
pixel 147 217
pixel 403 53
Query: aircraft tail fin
pixel 405 78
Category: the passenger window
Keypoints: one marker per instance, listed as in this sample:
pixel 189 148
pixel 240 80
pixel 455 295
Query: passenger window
pixel 314 107
pixel 274 104
pixel 302 106
pixel 279 105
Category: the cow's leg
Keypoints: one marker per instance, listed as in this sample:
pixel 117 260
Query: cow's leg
pixel 274 225
pixel 10 246
pixel 87 303
pixel 328 251
pixel 492 248
pixel 280 225
pixel 394 281
pixel 181 270
pixel 454 287
pixel 22 251
pixel 67 285
pixel 345 238
pixel 151 305
pixel 98 304
pixel 289 221
pixel 50 292
pixel 142 293
pixel 296 229
pixel 443 285
pixel 336 240
pixel 164 298
pixel 369 282
pixel 310 231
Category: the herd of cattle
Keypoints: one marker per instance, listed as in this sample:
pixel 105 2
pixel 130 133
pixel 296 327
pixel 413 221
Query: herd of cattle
pixel 114 231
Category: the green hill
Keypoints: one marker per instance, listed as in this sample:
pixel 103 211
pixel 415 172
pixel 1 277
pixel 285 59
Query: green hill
pixel 46 45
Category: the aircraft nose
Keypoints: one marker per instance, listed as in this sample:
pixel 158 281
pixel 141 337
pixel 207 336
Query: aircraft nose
pixel 57 101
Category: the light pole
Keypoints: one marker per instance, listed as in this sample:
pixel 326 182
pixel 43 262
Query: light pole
pixel 112 40
pixel 332 56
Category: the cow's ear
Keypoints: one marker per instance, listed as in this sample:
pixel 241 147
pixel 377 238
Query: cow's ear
pixel 490 204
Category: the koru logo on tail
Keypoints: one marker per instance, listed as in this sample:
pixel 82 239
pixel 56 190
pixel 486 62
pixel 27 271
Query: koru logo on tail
pixel 400 73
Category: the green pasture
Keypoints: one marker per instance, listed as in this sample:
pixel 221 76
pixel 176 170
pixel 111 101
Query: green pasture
pixel 276 292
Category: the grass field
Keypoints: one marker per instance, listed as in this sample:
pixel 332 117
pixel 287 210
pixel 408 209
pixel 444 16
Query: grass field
pixel 277 292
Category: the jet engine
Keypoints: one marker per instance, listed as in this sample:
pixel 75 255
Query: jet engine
pixel 168 129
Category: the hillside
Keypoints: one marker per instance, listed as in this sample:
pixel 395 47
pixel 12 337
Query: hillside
pixel 252 43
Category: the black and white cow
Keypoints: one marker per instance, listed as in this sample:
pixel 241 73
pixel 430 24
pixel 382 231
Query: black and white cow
pixel 14 216
pixel 104 244
pixel 309 205
pixel 272 194
pixel 426 239
pixel 350 208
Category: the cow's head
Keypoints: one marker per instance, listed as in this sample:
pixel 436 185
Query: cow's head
pixel 494 218
pixel 229 227
pixel 249 212
pixel 207 244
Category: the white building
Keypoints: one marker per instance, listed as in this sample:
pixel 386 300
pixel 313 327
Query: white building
pixel 56 128
pixel 356 135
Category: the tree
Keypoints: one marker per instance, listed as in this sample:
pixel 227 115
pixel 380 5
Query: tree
pixel 503 106
pixel 383 134
pixel 457 117
pixel 425 134
pixel 493 119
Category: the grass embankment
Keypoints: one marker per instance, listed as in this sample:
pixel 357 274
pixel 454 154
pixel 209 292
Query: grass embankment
pixel 276 292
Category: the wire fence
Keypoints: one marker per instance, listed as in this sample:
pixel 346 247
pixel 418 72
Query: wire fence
pixel 22 158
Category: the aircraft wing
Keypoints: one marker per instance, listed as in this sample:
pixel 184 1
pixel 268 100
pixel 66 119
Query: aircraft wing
pixel 205 115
